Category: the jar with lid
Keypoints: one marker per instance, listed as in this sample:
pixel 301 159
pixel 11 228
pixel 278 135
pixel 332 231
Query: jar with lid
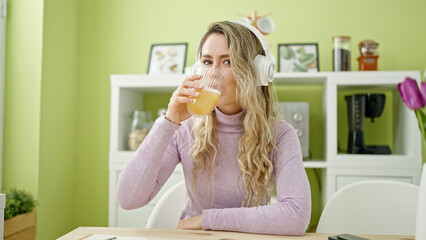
pixel 341 53
pixel 141 124
pixel 369 55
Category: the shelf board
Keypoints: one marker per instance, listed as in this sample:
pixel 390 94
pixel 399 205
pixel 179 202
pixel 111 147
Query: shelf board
pixel 300 78
pixel 346 156
pixel 349 79
pixel 369 78
pixel 314 164
pixel 147 81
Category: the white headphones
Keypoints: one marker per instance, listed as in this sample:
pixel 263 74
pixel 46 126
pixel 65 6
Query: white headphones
pixel 265 65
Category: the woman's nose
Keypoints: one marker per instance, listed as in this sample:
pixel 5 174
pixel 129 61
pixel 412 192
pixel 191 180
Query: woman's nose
pixel 217 66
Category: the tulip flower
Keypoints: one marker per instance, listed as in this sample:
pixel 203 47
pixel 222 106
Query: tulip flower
pixel 424 91
pixel 416 100
pixel 411 95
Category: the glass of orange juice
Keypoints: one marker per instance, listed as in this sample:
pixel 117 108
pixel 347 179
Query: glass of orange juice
pixel 213 81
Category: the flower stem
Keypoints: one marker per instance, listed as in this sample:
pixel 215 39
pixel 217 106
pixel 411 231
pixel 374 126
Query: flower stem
pixel 421 118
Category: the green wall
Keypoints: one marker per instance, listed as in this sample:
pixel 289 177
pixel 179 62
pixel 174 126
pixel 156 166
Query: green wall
pixel 22 95
pixel 40 109
pixel 58 117
pixel 61 53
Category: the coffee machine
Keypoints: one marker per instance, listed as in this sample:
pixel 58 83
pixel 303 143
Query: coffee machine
pixel 359 106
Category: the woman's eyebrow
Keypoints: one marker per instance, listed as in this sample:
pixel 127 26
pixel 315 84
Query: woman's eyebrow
pixel 221 56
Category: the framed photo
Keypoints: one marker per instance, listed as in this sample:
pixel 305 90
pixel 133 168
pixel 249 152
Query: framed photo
pixel 167 58
pixel 298 57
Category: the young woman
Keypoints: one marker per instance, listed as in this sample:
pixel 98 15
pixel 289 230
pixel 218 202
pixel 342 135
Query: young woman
pixel 232 158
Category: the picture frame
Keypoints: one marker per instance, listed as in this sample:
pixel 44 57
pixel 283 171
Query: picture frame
pixel 167 58
pixel 298 57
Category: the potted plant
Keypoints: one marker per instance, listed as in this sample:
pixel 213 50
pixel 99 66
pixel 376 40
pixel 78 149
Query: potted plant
pixel 19 215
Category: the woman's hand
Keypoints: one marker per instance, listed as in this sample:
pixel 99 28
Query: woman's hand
pixel 193 223
pixel 177 111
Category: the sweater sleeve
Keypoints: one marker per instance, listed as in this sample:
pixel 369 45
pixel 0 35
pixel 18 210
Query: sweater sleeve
pixel 150 166
pixel 290 216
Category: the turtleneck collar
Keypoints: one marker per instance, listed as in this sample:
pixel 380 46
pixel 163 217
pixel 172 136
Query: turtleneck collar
pixel 228 123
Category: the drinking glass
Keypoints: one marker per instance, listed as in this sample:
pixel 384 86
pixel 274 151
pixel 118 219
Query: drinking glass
pixel 213 81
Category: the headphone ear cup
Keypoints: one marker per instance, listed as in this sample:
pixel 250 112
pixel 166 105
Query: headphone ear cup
pixel 263 69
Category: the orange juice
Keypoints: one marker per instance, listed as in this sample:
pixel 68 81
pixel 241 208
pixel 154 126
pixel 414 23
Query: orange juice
pixel 205 103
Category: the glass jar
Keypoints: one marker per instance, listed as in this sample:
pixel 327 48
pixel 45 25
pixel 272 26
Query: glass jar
pixel 141 124
pixel 341 53
pixel 368 48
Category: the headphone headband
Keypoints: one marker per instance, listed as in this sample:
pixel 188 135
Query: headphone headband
pixel 259 36
pixel 252 29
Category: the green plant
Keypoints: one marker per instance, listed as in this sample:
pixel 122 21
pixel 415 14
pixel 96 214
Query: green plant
pixel 18 202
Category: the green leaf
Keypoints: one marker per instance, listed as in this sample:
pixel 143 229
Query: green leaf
pixel 287 53
pixel 299 67
pixel 306 58
pixel 301 50
pixel 18 202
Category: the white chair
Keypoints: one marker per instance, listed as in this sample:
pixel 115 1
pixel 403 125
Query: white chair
pixel 421 208
pixel 371 207
pixel 167 211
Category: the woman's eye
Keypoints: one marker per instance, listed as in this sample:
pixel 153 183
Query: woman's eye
pixel 227 62
pixel 207 62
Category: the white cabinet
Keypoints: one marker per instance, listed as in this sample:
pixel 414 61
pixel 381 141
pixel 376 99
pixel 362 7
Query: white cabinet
pixel 404 164
pixel 339 169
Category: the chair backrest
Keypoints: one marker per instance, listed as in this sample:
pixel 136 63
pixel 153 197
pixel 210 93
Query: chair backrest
pixel 371 207
pixel 167 211
pixel 421 208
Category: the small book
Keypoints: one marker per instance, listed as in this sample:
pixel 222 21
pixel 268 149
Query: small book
pixel 109 237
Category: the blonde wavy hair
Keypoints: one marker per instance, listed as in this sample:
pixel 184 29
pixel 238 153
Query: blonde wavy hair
pixel 259 116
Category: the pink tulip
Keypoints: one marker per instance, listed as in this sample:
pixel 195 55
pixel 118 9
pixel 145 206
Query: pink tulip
pixel 424 91
pixel 411 95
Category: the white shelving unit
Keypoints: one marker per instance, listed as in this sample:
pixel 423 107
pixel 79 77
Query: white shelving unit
pixel 404 164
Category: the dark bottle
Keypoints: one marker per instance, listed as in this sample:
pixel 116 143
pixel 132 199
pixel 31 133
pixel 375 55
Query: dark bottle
pixel 341 53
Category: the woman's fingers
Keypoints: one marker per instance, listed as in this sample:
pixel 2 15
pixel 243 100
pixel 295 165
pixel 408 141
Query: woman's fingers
pixel 184 94
pixel 188 88
pixel 187 92
pixel 190 82
pixel 180 99
pixel 193 77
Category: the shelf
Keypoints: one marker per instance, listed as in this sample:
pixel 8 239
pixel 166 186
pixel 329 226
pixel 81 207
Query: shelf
pixel 369 156
pixel 147 83
pixel 300 78
pixel 369 78
pixel 314 164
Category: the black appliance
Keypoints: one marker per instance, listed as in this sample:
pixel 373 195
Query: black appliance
pixel 359 106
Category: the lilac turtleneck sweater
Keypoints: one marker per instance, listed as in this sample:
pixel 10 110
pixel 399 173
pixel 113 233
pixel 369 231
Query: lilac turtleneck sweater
pixel 168 144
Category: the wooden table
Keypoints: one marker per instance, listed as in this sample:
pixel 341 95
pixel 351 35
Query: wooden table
pixel 165 234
